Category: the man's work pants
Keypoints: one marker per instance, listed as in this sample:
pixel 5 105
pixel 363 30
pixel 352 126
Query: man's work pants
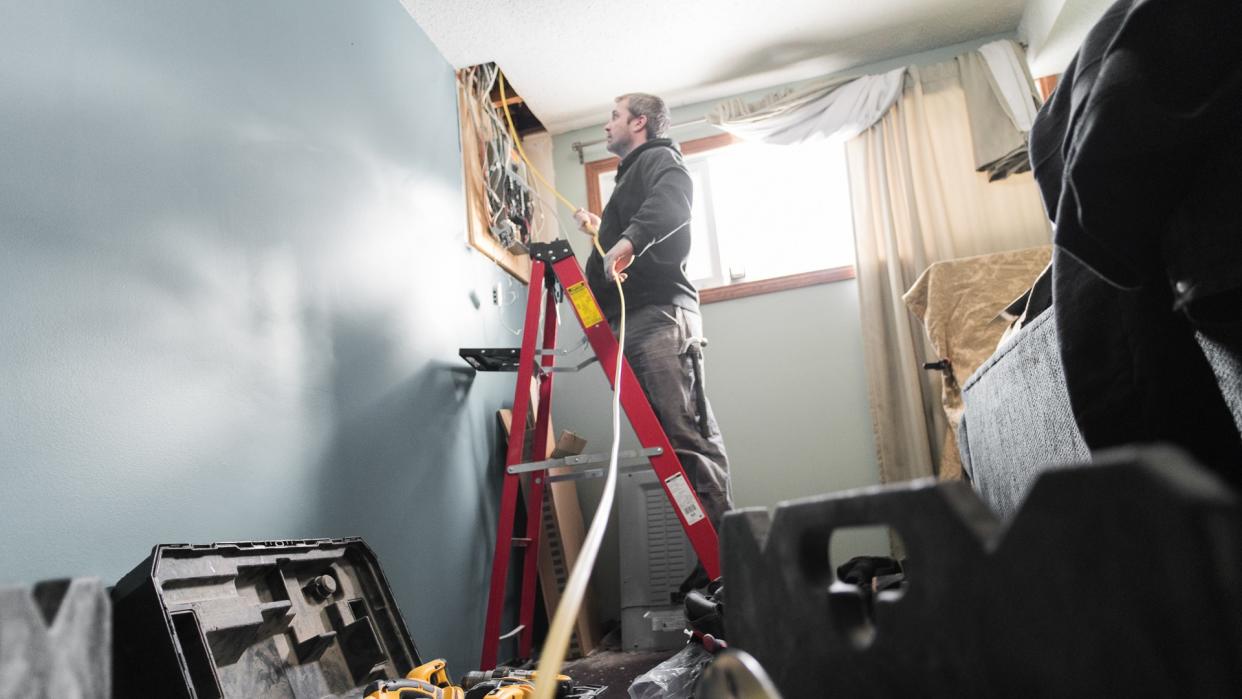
pixel 664 346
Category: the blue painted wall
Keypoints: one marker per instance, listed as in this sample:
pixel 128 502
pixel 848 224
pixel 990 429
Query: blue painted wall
pixel 235 278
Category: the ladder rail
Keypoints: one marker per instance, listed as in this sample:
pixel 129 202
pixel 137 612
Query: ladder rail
pixel 650 433
pixel 514 455
pixel 538 479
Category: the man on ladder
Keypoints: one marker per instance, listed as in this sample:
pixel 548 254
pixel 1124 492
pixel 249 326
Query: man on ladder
pixel 645 229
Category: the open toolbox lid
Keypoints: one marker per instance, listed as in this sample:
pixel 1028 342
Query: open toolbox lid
pixel 282 619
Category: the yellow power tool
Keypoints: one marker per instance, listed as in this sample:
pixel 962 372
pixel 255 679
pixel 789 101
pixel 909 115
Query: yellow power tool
pixel 431 681
pixel 427 681
pixel 508 683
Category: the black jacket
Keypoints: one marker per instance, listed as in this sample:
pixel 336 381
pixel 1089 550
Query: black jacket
pixel 1137 152
pixel 1137 156
pixel 651 207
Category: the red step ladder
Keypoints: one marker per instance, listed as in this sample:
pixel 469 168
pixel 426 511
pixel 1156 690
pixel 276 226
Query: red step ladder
pixel 553 265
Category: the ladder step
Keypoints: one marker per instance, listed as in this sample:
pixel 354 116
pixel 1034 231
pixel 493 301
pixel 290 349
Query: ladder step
pixel 521 541
pixel 628 457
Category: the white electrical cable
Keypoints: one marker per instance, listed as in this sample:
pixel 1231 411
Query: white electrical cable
pixel 556 644
pixel 479 81
pixel 552 657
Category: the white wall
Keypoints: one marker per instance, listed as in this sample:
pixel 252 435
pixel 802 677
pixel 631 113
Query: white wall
pixel 1054 29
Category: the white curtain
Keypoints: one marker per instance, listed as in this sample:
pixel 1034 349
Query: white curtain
pixel 835 108
pixel 1003 102
pixel 918 199
pixel 1013 83
pixel 933 140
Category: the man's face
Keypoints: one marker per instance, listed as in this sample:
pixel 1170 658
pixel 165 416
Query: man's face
pixel 620 130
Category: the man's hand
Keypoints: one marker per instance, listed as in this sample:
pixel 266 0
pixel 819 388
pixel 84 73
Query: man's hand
pixel 618 258
pixel 587 222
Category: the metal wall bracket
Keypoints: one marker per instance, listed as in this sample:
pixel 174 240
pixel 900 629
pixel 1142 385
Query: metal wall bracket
pixel 579 460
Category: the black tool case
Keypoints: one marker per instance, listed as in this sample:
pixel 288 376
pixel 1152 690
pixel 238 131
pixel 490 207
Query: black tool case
pixel 1119 579
pixel 280 619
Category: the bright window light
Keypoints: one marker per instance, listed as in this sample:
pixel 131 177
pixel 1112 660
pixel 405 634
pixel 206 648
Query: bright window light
pixel 763 211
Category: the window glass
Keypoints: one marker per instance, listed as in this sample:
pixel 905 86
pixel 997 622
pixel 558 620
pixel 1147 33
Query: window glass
pixel 703 264
pixel 763 211
pixel 780 210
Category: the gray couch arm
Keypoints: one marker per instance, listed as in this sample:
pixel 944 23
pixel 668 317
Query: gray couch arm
pixel 1018 421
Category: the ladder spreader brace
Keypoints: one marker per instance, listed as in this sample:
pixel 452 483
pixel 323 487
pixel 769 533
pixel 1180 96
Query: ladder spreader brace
pixel 554 264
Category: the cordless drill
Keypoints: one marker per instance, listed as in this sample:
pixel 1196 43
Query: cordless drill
pixel 431 681
pixel 427 681
pixel 508 683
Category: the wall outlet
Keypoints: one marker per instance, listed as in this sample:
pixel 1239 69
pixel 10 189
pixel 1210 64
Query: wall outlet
pixel 497 293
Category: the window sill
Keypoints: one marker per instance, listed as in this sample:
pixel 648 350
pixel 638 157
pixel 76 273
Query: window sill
pixel 767 286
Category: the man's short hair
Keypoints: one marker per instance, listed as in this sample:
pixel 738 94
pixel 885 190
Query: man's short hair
pixel 652 107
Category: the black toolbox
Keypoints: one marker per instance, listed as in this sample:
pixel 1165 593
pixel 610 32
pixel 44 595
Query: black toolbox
pixel 1118 579
pixel 282 619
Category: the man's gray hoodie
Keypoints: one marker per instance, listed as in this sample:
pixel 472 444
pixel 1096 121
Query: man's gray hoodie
pixel 651 207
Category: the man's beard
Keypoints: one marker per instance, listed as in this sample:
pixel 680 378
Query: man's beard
pixel 618 147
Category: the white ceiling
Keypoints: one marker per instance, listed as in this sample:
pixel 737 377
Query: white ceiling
pixel 569 58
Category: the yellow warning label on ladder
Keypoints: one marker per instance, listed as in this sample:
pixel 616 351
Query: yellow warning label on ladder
pixel 584 302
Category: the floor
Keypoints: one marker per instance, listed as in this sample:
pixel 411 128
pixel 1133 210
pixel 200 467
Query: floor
pixel 614 668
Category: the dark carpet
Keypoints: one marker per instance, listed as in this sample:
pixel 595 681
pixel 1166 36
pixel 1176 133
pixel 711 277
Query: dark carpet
pixel 614 668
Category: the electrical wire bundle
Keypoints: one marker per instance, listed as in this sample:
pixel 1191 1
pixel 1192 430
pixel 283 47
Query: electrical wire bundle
pixel 513 217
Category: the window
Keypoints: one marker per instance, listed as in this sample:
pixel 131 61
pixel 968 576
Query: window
pixel 765 218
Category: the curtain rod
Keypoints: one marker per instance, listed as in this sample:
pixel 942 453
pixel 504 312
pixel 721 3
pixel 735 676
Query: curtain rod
pixel 578 146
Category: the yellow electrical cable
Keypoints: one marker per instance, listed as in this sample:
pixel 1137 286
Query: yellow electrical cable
pixel 504 102
pixel 557 643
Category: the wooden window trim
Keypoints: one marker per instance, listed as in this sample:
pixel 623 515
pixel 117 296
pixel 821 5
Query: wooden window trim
pixel 768 286
pixel 595 168
pixel 1046 85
